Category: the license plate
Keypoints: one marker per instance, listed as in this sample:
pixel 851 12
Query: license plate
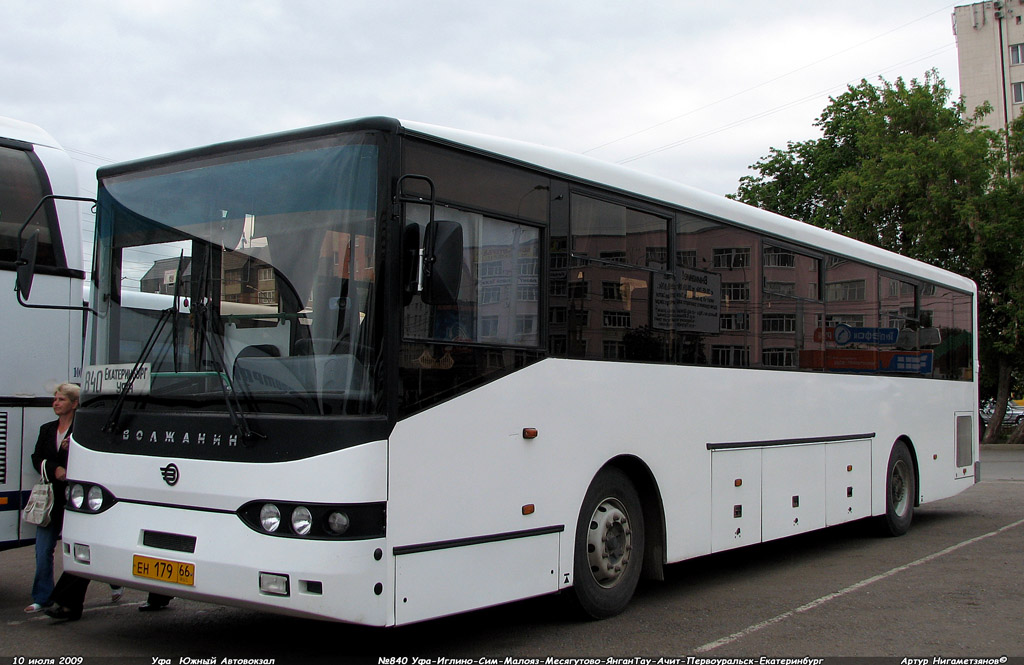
pixel 176 572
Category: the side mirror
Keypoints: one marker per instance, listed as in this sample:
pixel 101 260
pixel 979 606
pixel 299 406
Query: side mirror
pixel 442 263
pixel 27 265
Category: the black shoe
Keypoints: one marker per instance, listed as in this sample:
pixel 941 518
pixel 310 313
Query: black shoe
pixel 64 614
pixel 152 607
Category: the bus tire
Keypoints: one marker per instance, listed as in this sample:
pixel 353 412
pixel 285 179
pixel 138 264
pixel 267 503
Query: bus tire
pixel 609 550
pixel 900 490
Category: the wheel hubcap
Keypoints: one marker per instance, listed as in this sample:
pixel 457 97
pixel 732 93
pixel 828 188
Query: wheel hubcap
pixel 898 484
pixel 609 542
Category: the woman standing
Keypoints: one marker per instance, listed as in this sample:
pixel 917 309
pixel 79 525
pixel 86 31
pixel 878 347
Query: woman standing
pixel 51 453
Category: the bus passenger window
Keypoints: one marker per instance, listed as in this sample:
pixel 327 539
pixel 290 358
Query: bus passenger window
pixel 617 273
pixel 21 189
pixel 500 291
pixel 493 328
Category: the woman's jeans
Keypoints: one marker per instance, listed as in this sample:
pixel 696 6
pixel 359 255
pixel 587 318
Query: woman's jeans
pixel 46 542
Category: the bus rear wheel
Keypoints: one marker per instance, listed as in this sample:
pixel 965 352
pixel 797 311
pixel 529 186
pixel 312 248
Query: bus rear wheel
pixel 900 490
pixel 609 550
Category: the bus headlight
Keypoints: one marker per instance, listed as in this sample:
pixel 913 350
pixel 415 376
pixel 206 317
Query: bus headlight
pixel 302 520
pixel 90 498
pixel 270 517
pixel 95 498
pixel 76 496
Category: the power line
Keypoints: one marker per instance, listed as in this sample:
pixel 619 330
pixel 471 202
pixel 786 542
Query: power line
pixel 101 158
pixel 764 83
pixel 772 111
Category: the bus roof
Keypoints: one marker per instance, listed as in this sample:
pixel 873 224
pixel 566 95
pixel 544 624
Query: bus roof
pixel 26 132
pixel 583 168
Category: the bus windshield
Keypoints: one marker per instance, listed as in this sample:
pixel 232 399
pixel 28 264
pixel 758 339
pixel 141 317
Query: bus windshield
pixel 241 280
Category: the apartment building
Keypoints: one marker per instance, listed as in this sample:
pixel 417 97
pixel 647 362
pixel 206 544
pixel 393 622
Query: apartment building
pixel 990 55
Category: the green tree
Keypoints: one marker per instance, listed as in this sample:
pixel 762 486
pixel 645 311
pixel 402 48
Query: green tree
pixel 1001 283
pixel 902 166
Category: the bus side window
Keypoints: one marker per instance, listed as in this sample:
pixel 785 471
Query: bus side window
pixel 494 324
pixel 618 260
pixel 23 185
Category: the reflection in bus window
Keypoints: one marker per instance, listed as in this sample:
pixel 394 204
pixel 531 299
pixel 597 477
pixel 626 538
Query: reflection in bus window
pixel 792 309
pixel 499 296
pixel 493 327
pixel 617 300
pixel 949 313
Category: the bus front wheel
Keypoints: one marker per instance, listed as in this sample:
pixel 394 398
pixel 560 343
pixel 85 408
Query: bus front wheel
pixel 609 550
pixel 900 491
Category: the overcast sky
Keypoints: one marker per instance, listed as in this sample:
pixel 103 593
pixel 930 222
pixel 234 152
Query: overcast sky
pixel 693 91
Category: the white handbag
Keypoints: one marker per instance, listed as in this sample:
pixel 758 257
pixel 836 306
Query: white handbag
pixel 40 502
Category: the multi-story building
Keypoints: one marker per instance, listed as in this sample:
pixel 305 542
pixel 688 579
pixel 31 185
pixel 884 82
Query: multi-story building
pixel 990 55
pixel 163 275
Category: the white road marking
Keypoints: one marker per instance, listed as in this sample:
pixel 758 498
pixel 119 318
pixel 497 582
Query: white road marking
pixel 710 646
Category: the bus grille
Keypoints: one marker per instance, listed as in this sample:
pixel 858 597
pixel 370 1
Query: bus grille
pixel 169 541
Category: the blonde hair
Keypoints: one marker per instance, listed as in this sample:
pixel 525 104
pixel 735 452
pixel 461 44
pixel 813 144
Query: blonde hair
pixel 70 390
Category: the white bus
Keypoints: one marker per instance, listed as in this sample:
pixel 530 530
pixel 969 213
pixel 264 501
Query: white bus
pixel 42 348
pixel 486 371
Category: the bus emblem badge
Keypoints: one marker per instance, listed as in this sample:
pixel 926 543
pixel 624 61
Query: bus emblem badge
pixel 170 473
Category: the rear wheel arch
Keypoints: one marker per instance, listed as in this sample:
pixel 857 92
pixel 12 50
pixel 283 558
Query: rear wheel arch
pixel 905 440
pixel 901 487
pixel 619 537
pixel 654 513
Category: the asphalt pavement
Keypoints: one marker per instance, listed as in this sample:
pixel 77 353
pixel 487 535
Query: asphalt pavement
pixel 949 591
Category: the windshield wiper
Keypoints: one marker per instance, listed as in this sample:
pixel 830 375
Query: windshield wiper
pixel 174 324
pixel 202 313
pixel 170 314
pixel 115 413
pixel 235 411
pixel 204 317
